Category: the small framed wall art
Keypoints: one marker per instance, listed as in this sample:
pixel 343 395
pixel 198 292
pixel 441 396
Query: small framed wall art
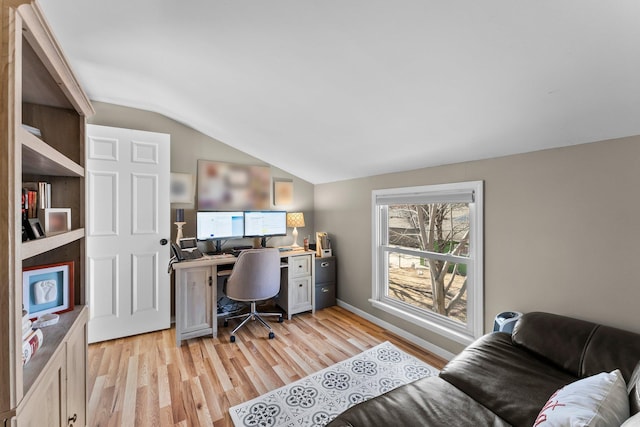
pixel 282 192
pixel 182 188
pixel 47 289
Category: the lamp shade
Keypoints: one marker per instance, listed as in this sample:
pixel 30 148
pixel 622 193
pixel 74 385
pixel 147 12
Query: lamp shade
pixel 295 219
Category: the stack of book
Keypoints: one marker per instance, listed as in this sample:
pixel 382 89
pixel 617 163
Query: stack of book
pixel 35 197
pixel 31 338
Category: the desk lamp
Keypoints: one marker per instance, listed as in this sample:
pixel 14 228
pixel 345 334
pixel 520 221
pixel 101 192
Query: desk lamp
pixel 295 220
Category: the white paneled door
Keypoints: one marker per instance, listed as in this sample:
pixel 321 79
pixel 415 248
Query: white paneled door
pixel 127 231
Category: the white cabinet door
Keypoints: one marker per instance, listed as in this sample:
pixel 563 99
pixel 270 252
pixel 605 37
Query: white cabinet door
pixel 297 285
pixel 300 294
pixel 194 302
pixel 127 217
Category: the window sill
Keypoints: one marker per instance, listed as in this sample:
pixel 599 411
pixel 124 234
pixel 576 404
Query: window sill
pixel 425 323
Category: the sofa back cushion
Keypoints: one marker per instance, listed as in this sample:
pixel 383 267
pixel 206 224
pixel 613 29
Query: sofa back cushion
pixel 511 381
pixel 558 339
pixel 582 348
pixel 611 348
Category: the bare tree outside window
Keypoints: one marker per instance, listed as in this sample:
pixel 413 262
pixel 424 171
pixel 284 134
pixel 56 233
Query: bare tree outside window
pixel 430 281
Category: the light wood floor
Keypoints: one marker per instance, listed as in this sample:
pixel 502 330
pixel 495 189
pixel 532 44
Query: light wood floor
pixel 147 381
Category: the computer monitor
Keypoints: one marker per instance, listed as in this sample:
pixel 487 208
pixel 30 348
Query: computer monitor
pixel 219 225
pixel 265 223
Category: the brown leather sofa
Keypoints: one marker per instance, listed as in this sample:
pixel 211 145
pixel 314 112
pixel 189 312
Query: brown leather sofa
pixel 505 380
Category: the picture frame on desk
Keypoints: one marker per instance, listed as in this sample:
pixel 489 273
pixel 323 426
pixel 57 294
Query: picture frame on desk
pixel 48 289
pixel 32 229
pixel 57 220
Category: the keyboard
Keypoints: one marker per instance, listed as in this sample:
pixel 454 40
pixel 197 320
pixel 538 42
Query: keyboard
pixel 220 256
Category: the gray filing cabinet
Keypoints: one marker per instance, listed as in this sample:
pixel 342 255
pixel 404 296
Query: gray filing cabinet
pixel 325 282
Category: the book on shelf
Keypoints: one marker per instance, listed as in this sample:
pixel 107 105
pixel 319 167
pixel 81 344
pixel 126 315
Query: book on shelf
pixel 36 196
pixel 26 328
pixel 31 344
pixel 32 130
pixel 26 324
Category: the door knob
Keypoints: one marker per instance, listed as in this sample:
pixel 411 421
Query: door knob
pixel 163 242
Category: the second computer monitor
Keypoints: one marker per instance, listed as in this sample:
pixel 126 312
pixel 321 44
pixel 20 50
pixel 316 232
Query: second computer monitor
pixel 265 223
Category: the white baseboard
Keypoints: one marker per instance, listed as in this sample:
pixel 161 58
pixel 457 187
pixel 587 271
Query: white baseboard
pixel 439 351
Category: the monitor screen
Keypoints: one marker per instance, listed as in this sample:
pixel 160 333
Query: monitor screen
pixel 219 225
pixel 265 223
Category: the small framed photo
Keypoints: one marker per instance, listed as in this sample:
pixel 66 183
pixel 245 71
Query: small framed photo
pixel 47 289
pixel 57 220
pixel 33 229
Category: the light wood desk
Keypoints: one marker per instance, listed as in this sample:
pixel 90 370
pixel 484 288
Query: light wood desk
pixel 196 290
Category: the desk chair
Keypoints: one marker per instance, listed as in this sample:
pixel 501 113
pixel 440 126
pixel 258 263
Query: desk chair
pixel 255 277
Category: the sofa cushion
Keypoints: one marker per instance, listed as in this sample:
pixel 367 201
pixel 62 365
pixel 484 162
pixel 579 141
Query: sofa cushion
pixel 559 339
pixel 610 348
pixel 599 400
pixel 429 402
pixel 580 347
pixel 509 380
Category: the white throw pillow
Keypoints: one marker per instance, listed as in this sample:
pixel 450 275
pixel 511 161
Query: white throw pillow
pixel 597 401
pixel 633 421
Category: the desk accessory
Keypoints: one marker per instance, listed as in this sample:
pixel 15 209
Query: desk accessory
pixel 295 220
pixel 323 245
pixel 46 320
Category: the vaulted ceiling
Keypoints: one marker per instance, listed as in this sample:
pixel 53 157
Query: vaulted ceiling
pixel 331 90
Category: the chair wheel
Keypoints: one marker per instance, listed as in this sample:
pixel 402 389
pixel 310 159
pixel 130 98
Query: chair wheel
pixel 233 338
pixel 280 319
pixel 226 323
pixel 271 335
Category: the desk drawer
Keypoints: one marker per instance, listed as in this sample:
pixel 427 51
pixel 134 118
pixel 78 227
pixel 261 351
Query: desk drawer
pixel 325 269
pixel 325 295
pixel 300 266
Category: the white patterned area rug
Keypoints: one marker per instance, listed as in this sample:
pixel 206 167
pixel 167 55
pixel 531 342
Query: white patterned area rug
pixel 317 399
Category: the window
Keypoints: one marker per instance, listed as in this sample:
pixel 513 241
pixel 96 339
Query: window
pixel 427 257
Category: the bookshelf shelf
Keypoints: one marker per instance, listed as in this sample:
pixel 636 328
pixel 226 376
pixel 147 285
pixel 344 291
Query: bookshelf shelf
pixel 53 336
pixel 40 158
pixel 36 247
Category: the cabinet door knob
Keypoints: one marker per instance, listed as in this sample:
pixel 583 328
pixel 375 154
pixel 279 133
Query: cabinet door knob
pixel 163 242
pixel 300 285
pixel 324 264
pixel 73 419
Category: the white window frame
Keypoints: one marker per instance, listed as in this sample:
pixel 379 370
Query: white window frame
pixel 470 191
